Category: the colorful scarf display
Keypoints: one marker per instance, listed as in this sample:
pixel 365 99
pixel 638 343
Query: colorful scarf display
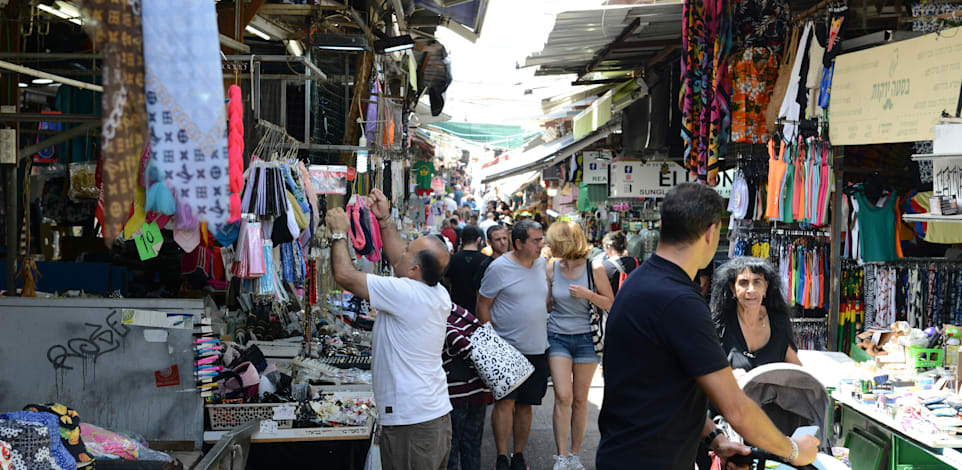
pixel 706 85
pixel 186 111
pixel 115 27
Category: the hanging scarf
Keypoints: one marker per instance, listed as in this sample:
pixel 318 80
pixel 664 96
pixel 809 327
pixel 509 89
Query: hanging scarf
pixel 706 85
pixel 185 107
pixel 115 28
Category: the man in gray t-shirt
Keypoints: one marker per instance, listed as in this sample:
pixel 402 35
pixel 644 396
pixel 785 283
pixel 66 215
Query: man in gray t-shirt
pixel 513 297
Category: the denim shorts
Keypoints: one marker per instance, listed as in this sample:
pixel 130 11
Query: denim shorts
pixel 578 348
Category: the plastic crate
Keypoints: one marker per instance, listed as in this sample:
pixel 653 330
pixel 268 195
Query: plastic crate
pixel 227 417
pixel 923 358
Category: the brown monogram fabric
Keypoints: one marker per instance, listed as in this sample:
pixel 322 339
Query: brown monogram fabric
pixel 115 27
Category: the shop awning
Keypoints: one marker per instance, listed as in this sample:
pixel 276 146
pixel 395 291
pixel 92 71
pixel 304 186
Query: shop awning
pixel 613 39
pixel 553 152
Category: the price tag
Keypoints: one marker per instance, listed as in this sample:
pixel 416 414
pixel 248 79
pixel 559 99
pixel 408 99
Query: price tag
pixel 153 236
pixel 285 412
pixel 144 249
pixel 268 426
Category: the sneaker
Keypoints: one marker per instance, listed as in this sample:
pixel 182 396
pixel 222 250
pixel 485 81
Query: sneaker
pixel 574 463
pixel 517 462
pixel 560 463
pixel 503 463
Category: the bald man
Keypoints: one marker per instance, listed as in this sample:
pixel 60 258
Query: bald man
pixel 410 386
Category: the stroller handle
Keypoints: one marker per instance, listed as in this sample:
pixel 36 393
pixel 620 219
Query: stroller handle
pixel 759 454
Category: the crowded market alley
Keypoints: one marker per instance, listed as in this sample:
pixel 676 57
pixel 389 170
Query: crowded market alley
pixel 480 234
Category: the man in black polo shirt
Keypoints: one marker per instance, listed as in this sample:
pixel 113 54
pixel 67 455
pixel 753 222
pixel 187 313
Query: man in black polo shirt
pixel 663 360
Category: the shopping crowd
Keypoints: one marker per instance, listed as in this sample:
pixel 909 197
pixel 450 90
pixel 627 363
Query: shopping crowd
pixel 666 354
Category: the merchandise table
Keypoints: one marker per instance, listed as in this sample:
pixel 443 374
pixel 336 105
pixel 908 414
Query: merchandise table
pixel 347 433
pixel 908 447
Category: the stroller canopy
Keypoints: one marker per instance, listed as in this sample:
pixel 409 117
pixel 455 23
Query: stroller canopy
pixel 791 397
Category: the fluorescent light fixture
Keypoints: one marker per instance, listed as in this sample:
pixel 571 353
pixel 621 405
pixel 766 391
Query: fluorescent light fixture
pixel 64 10
pixel 294 47
pixel 393 44
pixel 42 81
pixel 22 85
pixel 340 42
pixel 552 192
pixel 257 32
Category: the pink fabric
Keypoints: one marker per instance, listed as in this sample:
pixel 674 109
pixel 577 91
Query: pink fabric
pixel 235 143
pixel 103 443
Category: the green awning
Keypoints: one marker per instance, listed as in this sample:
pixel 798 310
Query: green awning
pixel 500 135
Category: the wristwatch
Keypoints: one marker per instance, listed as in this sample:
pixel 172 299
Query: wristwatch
pixel 338 236
pixel 711 436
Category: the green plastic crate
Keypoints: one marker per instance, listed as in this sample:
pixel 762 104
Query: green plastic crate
pixel 925 358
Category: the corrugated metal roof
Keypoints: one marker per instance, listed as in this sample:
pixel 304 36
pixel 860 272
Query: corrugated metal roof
pixel 578 36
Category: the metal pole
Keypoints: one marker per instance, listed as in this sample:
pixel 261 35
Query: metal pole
pixel 307 96
pixel 836 256
pixel 50 76
pixel 283 105
pixel 10 174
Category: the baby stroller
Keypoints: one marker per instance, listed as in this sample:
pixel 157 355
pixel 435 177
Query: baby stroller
pixel 791 397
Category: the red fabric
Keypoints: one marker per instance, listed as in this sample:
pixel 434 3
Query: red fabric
pixel 218 264
pixel 451 235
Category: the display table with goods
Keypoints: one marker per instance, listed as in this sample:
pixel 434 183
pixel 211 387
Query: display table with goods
pixel 903 408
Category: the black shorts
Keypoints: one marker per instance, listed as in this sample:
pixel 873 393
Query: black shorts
pixel 533 389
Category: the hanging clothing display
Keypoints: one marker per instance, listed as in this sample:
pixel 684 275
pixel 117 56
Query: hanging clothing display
pixel 423 171
pixel 759 30
pixel 877 228
pixel 706 86
pixel 800 184
pixel 790 108
pixel 923 293
pixel 185 109
pixel 933 232
pixel 754 72
pixel 116 29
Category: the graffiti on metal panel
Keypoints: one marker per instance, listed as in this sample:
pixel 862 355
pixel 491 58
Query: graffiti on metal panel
pixel 101 340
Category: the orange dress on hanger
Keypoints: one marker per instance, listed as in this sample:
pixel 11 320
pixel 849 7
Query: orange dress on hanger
pixel 776 171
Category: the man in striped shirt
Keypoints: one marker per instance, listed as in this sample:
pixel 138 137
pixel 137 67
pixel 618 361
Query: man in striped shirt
pixel 469 396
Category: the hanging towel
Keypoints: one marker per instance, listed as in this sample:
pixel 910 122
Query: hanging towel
pixel 115 28
pixel 185 107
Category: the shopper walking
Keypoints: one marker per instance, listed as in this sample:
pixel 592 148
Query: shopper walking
pixel 490 220
pixel 469 397
pixel 571 352
pixel 512 297
pixel 497 236
pixel 410 388
pixel 616 263
pixel 463 276
pixel 663 361
pixel 447 230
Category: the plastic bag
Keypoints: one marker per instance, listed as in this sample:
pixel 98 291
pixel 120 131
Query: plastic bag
pixel 104 444
pixel 373 461
pixel 83 181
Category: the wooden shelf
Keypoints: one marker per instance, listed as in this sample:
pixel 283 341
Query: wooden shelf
pixel 931 218
pixel 936 156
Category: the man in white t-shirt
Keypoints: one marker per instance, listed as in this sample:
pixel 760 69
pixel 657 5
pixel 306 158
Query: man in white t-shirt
pixel 410 386
pixel 488 222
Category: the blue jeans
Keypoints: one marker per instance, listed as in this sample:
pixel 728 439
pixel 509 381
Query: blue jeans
pixel 579 348
pixel 467 426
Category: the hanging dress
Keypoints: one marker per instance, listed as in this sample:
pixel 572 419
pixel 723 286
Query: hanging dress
pixel 776 172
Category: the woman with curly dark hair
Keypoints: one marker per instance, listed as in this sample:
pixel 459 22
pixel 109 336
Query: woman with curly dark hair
pixel 750 314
